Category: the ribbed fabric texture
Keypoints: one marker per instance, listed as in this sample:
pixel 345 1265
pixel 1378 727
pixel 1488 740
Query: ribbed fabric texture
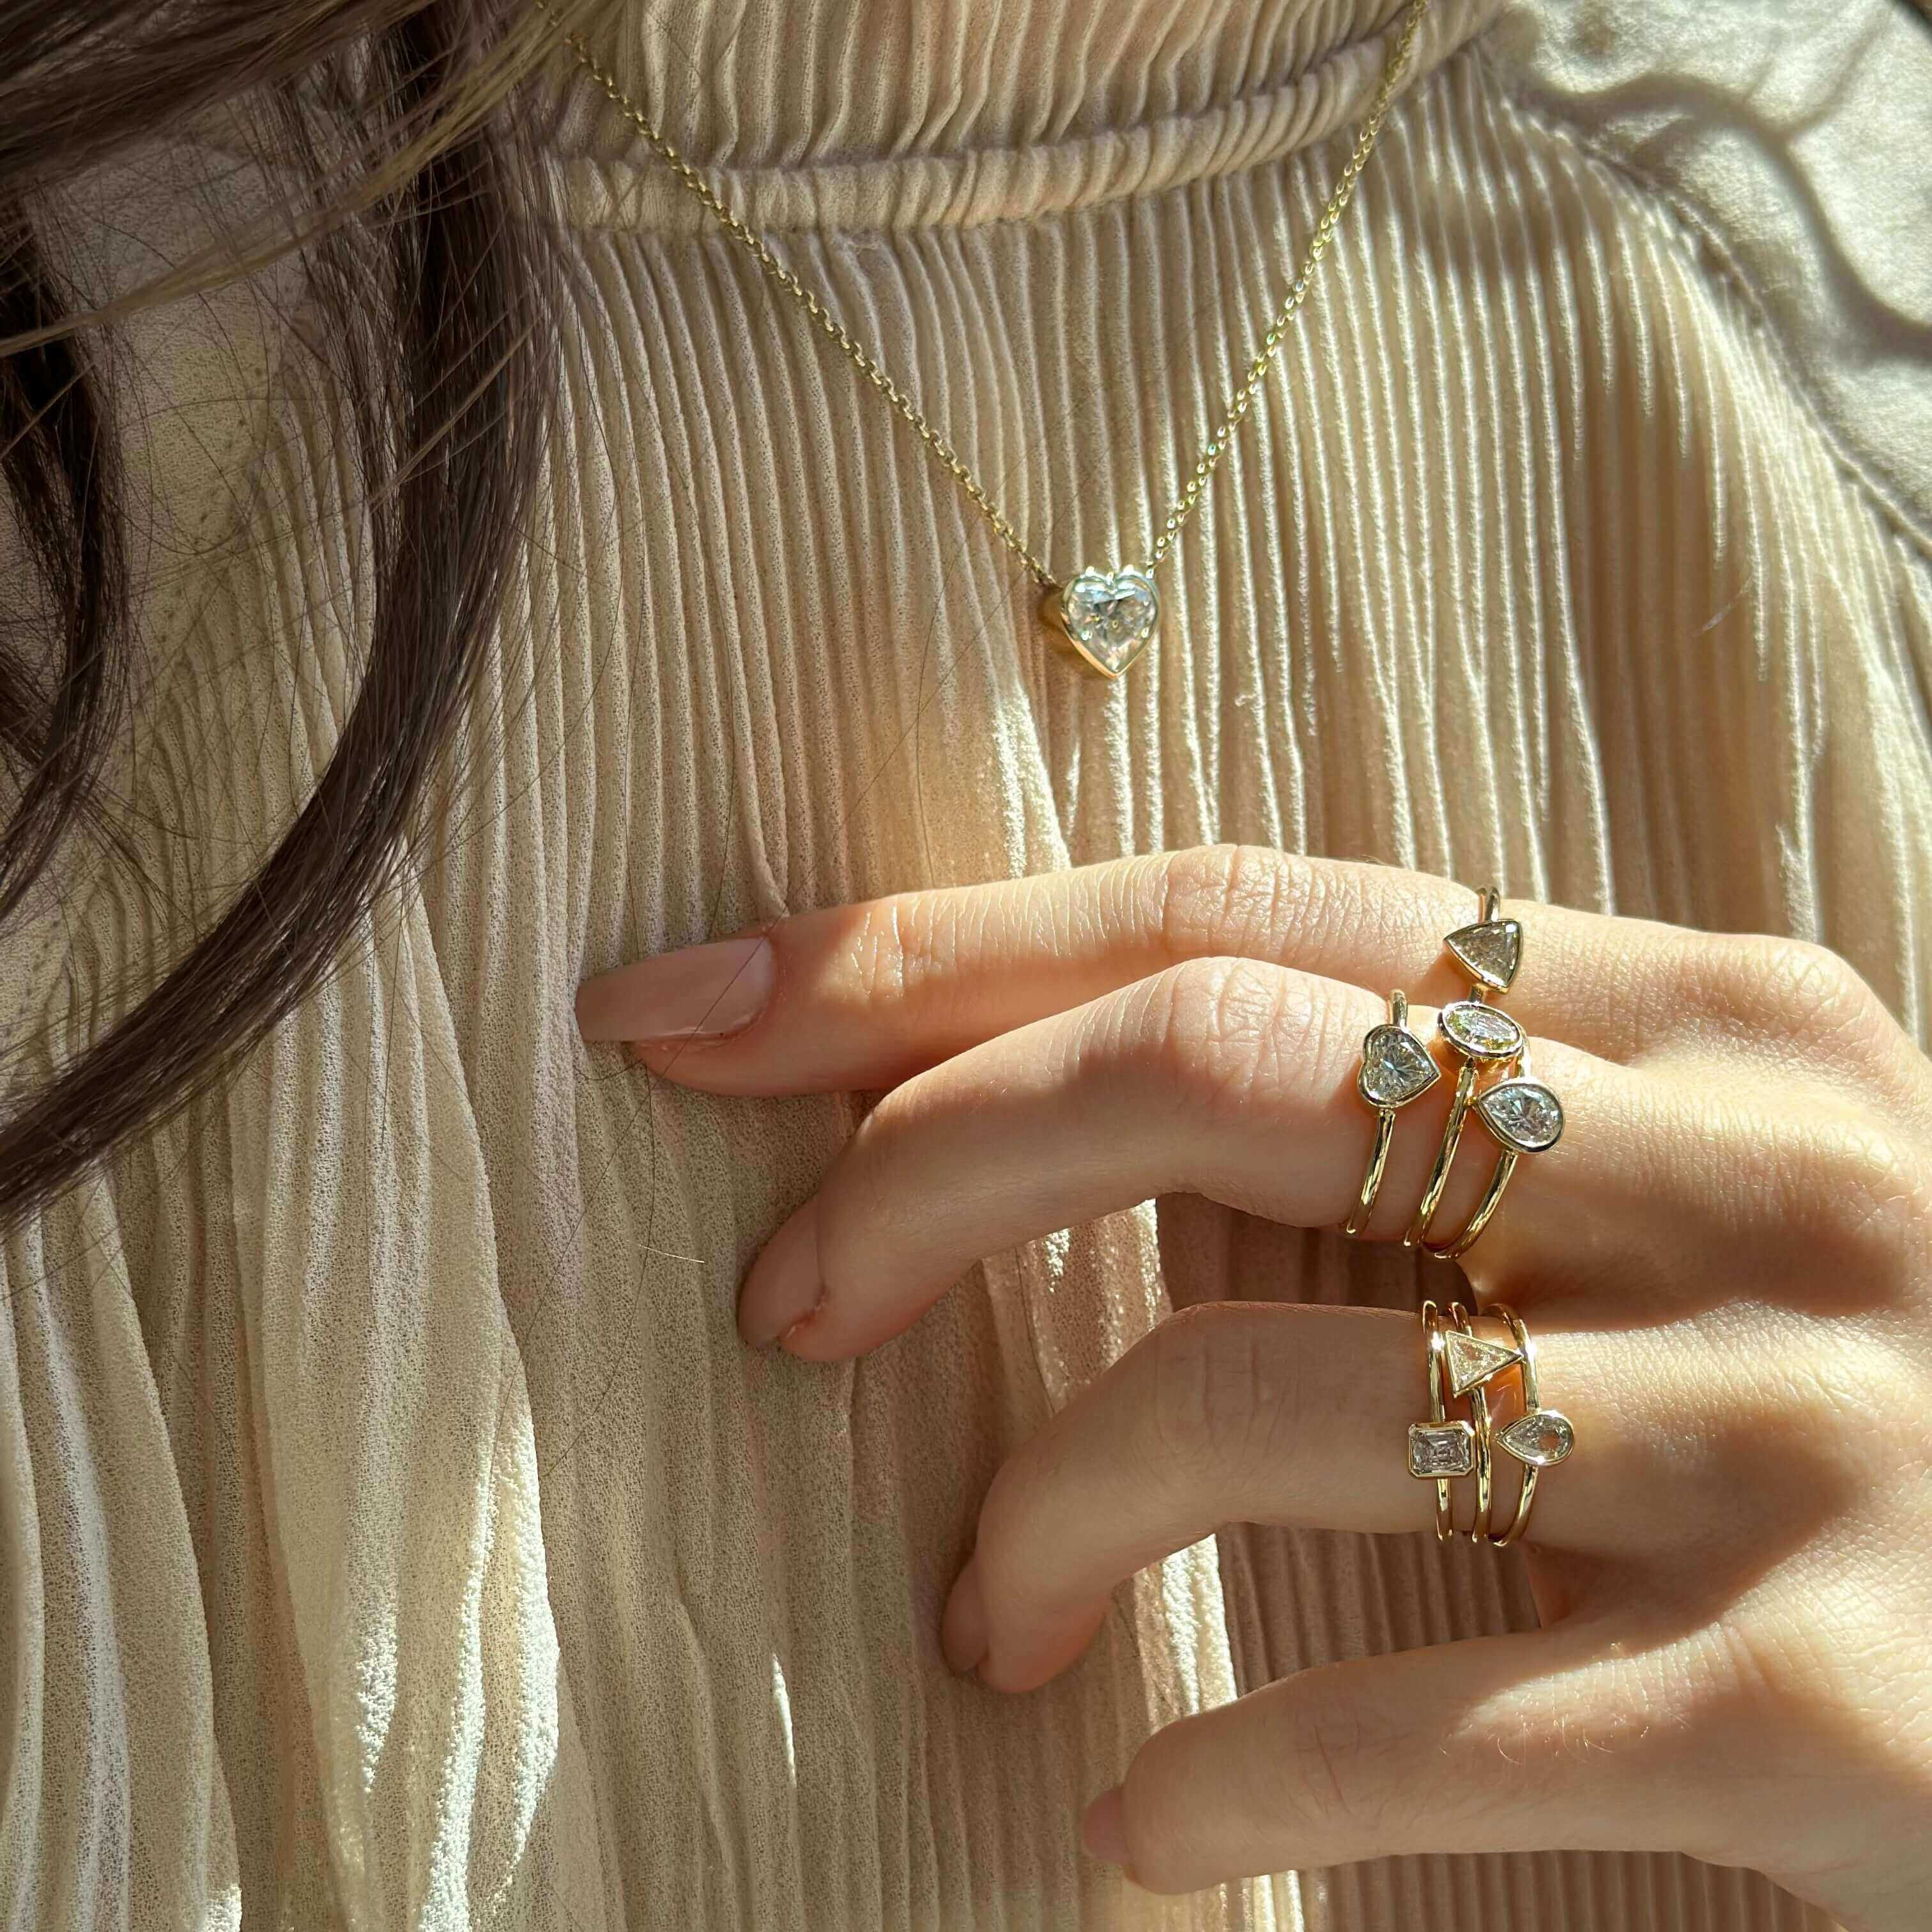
pixel 395 1533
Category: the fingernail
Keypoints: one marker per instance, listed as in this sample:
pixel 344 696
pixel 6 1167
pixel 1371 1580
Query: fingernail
pixel 1103 1831
pixel 782 1287
pixel 697 992
pixel 962 1630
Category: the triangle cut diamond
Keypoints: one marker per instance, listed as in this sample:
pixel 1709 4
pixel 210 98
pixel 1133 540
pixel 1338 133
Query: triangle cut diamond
pixel 1491 950
pixel 1471 1359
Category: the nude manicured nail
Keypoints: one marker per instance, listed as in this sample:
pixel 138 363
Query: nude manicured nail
pixel 962 1630
pixel 698 992
pixel 782 1287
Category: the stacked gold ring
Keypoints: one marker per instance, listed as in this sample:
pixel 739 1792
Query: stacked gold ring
pixel 1520 1114
pixel 1464 1366
pixel 1396 1068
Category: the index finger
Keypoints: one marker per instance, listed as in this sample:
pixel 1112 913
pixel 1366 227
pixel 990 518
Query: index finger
pixel 865 995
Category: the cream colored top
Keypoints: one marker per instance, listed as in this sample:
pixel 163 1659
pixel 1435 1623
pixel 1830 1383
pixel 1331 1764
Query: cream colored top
pixel 393 1532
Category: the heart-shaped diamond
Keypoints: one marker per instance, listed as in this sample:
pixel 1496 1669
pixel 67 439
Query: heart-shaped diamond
pixel 1108 616
pixel 1395 1067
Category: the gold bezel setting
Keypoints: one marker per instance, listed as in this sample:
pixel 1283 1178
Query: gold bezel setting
pixel 1440 1449
pixel 1471 1361
pixel 1461 1365
pixel 1480 1031
pixel 1107 617
pixel 1396 1067
pixel 1490 952
pixel 1541 1437
pixel 1523 1115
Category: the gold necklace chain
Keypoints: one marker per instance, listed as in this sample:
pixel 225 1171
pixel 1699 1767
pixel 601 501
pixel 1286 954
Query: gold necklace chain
pixel 1112 620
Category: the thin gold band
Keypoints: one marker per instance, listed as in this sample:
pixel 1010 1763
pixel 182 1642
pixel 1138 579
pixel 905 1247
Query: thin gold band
pixel 1372 1178
pixel 1445 1156
pixel 1438 1414
pixel 1371 1181
pixel 1458 1362
pixel 1448 1251
pixel 1534 1125
pixel 1458 1111
pixel 1531 1403
pixel 1479 1416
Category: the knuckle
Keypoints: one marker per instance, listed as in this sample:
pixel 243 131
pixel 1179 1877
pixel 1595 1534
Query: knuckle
pixel 1799 1675
pixel 1793 988
pixel 1217 1029
pixel 908 950
pixel 1766 1675
pixel 1861 1194
pixel 885 952
pixel 1323 1762
pixel 1861 1398
pixel 1217 1398
pixel 1832 1195
pixel 1230 898
pixel 1762 1665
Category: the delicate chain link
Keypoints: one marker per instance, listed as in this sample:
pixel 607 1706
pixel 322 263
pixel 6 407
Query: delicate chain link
pixel 1258 369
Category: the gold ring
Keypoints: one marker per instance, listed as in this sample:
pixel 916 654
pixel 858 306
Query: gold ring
pixel 1538 1438
pixel 1468 1372
pixel 1396 1068
pixel 1491 951
pixel 1462 1365
pixel 1524 1116
pixel 1439 1448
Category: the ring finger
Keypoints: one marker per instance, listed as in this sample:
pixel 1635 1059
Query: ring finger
pixel 1296 1416
pixel 1267 1412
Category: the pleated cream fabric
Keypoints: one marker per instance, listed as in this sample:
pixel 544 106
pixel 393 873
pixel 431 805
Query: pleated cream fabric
pixel 393 1532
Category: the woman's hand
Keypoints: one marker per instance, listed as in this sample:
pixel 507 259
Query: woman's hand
pixel 1727 1263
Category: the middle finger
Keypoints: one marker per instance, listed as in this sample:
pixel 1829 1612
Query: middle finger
pixel 1224 1077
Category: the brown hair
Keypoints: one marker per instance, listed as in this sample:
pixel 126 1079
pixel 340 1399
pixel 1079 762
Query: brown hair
pixel 425 249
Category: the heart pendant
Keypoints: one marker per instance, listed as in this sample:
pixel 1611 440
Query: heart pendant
pixel 1108 616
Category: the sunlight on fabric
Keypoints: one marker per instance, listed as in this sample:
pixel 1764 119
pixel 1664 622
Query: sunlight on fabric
pixel 781 1697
